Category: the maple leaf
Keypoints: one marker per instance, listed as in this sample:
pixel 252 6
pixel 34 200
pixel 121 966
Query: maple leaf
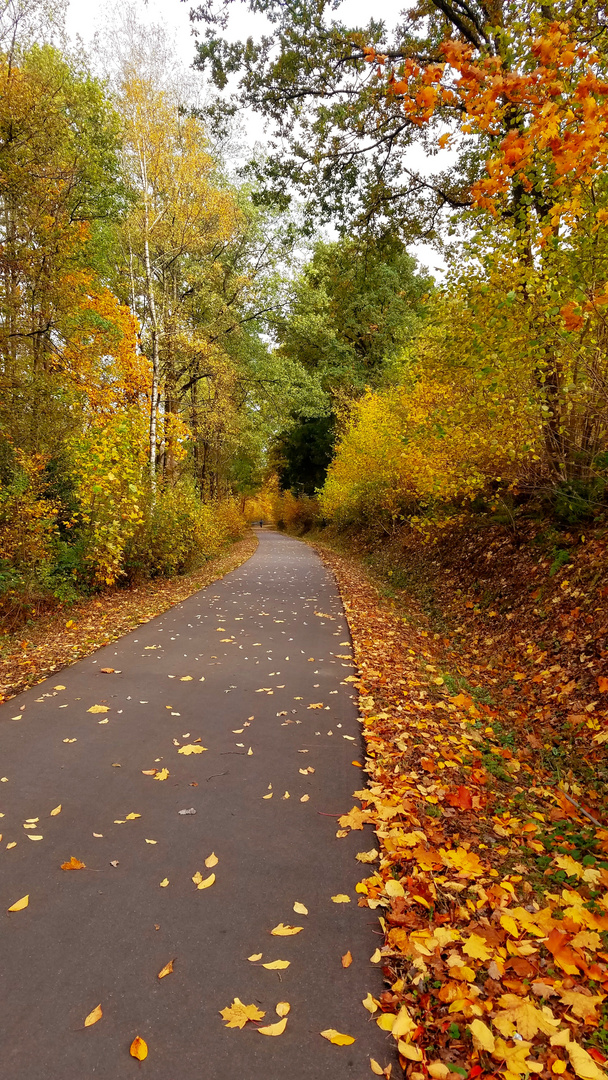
pixel 466 862
pixel 190 748
pixel 477 948
pixel 582 1005
pixel 336 1038
pixel 162 774
pixel 514 1057
pixel 73 864
pixel 525 1016
pixel 237 1014
pixel 355 819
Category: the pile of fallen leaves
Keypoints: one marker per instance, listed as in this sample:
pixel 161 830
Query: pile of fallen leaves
pixel 491 882
pixel 52 641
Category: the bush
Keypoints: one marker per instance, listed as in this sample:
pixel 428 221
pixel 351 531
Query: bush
pixel 179 533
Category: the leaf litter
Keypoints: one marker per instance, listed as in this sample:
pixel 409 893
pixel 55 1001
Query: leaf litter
pixel 492 879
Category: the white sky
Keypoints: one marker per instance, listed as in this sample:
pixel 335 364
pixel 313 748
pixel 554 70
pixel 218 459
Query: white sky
pixel 87 17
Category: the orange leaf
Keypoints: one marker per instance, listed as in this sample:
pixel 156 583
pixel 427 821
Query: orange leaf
pixel 138 1049
pixel 347 959
pixel 73 864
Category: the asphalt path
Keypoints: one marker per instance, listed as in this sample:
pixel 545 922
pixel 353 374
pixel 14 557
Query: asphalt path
pixel 234 669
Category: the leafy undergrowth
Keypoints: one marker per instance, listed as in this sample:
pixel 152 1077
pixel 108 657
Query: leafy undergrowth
pixel 486 764
pixel 52 642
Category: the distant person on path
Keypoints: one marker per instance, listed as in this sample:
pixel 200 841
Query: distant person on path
pixel 261 524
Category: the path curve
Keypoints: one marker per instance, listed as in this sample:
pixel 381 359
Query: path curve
pixel 257 648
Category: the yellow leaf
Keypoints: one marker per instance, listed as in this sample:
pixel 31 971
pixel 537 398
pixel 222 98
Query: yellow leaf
pixel 483 1038
pixel 267 796
pixel 56 811
pixel 282 1009
pixel 376 957
pixel 151 841
pixel 206 882
pixel 164 883
pixel 367 856
pixel 19 905
pixel 583 1064
pixel 190 748
pixel 286 931
pixel 277 965
pixel 30 837
pixel 376 1068
pixel 255 956
pixel 138 1049
pixel 300 909
pixel 347 959
pixel 336 1038
pixel 403 1025
pixel 509 925
pixel 527 1018
pixel 274 1029
pixel 369 1003
pixel 211 860
pixel 197 878
pixel 305 798
pixel 341 898
pixel 413 1053
pixel 132 817
pixel 73 864
pixel 186 678
pixel 162 774
pixel 98 709
pixel 477 948
pixel 386 1021
pixel 514 1057
pixel 438 1070
pixel 59 687
pixel 168 968
pixel 94 1016
pixel 237 1014
pixel 558 1067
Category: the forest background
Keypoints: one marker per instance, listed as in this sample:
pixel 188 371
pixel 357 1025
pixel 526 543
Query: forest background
pixel 181 342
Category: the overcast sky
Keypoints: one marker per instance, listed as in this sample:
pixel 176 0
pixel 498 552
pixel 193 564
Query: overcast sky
pixel 86 17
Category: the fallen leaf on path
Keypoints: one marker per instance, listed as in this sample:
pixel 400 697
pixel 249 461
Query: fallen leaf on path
pixel 300 909
pixel 255 956
pixel 151 841
pixel 237 1014
pixel 282 1008
pixel 336 1038
pixel 138 1049
pixel 19 905
pixel 274 1029
pixel 132 817
pixel 162 774
pixel 211 860
pixel 93 1016
pixel 98 709
pixel 369 1003
pixel 73 864
pixel 163 884
pixel 305 798
pixel 30 837
pixel 107 670
pixel 277 965
pixel 206 882
pixel 59 687
pixel 347 959
pixel 286 931
pixel 341 898
pixel 168 968
pixel 190 748
pixel 367 856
